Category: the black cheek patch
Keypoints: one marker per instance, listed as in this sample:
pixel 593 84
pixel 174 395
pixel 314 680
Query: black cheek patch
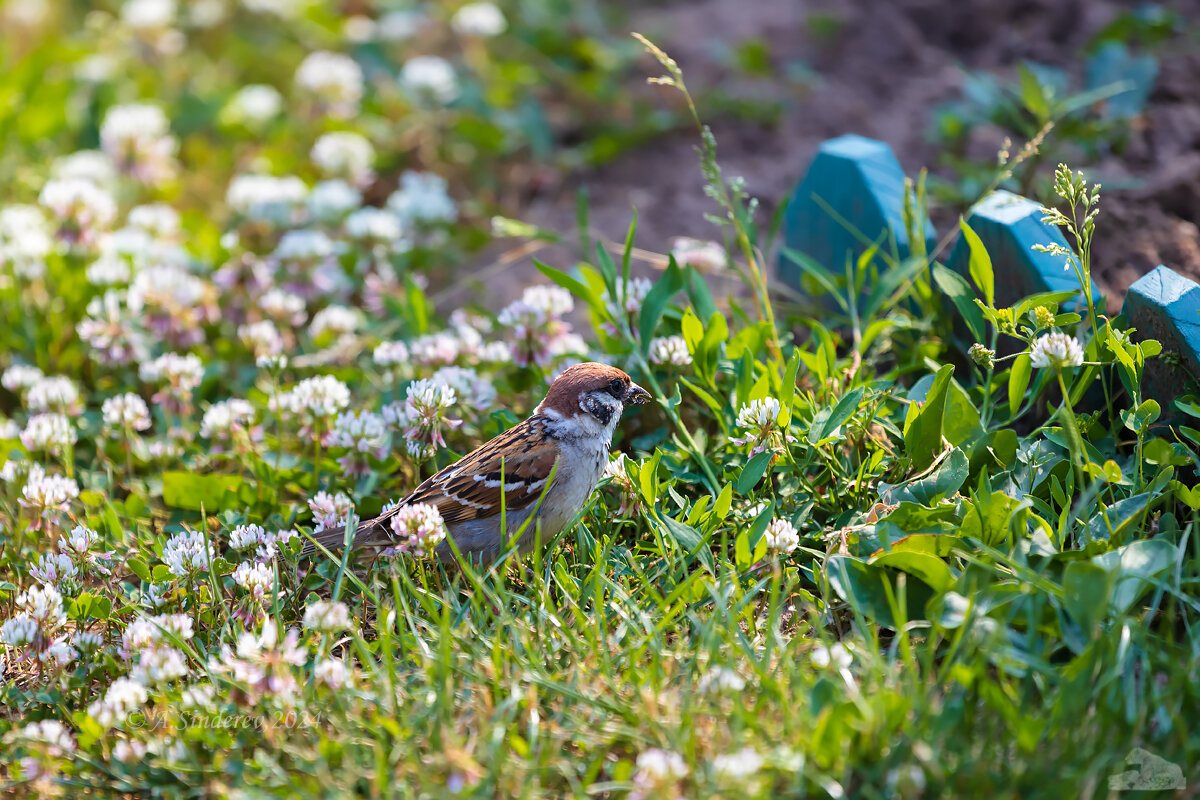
pixel 599 410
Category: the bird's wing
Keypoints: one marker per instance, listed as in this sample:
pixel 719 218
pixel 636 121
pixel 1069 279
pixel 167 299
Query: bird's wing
pixel 521 460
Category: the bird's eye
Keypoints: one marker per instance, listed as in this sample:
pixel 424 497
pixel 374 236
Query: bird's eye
pixel 617 387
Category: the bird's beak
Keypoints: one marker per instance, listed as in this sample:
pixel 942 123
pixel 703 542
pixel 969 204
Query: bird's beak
pixel 636 396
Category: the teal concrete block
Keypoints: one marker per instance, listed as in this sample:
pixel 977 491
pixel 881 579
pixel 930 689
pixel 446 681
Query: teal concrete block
pixel 853 181
pixel 1009 226
pixel 1164 305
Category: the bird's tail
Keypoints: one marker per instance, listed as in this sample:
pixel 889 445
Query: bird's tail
pixel 372 533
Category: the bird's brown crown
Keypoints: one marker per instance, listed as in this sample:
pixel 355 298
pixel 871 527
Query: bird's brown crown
pixel 590 376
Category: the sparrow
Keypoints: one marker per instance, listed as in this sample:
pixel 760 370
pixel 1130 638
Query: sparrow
pixel 565 442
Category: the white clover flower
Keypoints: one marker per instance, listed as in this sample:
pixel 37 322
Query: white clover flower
pixel 335 80
pixel 9 429
pixel 422 198
pixel 330 510
pixel 25 240
pixel 187 553
pixel 267 198
pixel 425 406
pixel 50 732
pixel 123 697
pixel 253 105
pixel 362 431
pixel 44 605
pixel 262 338
pixel 781 536
pixel 545 300
pixel 760 414
pixel 47 496
pixel 92 166
pixel 377 226
pixel 222 420
pixel 331 672
pixel 148 14
pixel 282 305
pixel 630 297
pixel 244 537
pixel 835 654
pixel 79 541
pixel 51 433
pixel 327 616
pixel 160 664
pixel 137 139
pixel 159 220
pixel 535 327
pixel 20 377
pixel 126 411
pixel 399 26
pixel 739 765
pixel 721 679
pixel 54 393
pixel 344 154
pixel 390 354
pixel 257 579
pixel 430 78
pixel 53 568
pixel 87 641
pixel 128 751
pixel 469 386
pixel 656 767
pixel 705 256
pixel 81 207
pixel 670 350
pixel 418 528
pixel 181 374
pixel 320 397
pixel 336 320
pixel 1056 350
pixel 109 269
pixel 303 245
pixel 146 631
pixel 110 330
pixel 479 19
pixel 331 200
pixel 19 631
pixel 200 695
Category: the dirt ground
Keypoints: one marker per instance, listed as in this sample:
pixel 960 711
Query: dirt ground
pixel 881 73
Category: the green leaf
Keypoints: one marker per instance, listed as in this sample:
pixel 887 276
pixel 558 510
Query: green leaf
pixel 1134 566
pixel 1121 517
pixel 864 587
pixel 753 471
pixel 193 491
pixel 980 265
pixel 687 538
pixel 1086 590
pixel 923 438
pixel 928 567
pixel 656 302
pixel 987 519
pixel 828 422
pixel 959 291
pixel 573 285
pixel 1018 382
pixel 698 293
pixel 138 567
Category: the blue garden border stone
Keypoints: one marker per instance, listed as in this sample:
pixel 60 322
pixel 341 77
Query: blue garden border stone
pixel 861 181
pixel 1009 225
pixel 1164 305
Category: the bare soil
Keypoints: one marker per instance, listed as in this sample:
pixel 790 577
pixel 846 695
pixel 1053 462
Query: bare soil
pixel 879 68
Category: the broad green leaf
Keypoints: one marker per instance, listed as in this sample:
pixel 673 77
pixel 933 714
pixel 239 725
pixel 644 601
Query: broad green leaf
pixel 959 291
pixel 138 567
pixel 980 265
pixel 987 519
pixel 1018 382
pixel 1133 566
pixel 194 491
pixel 573 285
pixel 752 473
pixel 828 422
pixel 1121 517
pixel 687 538
pixel 1086 591
pixel 928 567
pixel 862 585
pixel 923 439
pixel 656 302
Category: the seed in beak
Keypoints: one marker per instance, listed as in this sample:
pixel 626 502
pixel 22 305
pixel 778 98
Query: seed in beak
pixel 636 395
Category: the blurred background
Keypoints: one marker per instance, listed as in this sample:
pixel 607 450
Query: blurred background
pixel 448 114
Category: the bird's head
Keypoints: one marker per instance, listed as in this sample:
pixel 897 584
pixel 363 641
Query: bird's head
pixel 594 395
